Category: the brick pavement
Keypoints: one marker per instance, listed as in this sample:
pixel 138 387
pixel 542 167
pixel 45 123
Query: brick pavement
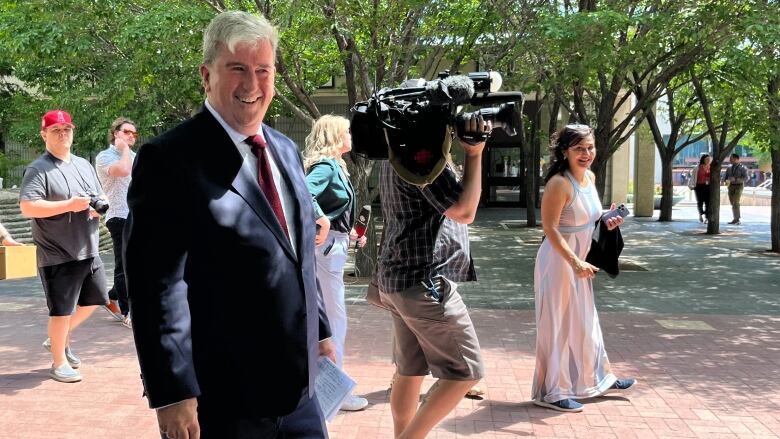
pixel 705 371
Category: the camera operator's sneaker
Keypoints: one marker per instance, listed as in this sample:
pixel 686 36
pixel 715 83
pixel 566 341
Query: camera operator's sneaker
pixel 354 403
pixel 73 360
pixel 623 385
pixel 64 374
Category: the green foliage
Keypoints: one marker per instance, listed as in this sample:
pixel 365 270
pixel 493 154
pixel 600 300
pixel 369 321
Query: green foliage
pixel 139 59
pixel 9 161
pixel 100 60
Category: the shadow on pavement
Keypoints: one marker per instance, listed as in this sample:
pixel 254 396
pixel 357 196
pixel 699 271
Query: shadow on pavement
pixel 12 383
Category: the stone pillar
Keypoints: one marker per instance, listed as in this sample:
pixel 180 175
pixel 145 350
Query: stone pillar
pixel 644 175
pixel 618 176
pixel 616 189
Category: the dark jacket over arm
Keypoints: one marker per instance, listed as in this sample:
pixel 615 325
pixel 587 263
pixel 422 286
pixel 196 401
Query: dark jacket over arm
pixel 605 251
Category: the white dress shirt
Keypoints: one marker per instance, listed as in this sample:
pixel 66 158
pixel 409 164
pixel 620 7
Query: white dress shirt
pixel 250 162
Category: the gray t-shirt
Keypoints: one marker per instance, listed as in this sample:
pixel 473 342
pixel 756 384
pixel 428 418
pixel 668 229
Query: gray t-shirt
pixel 70 236
pixel 115 187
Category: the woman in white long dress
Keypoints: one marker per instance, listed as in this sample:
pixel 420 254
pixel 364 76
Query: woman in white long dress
pixel 571 362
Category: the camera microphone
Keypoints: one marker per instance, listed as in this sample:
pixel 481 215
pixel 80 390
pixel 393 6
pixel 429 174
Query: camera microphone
pixel 456 90
pixel 362 221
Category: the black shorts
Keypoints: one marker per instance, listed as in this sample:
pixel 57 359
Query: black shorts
pixel 75 282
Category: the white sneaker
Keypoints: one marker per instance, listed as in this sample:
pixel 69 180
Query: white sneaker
pixel 354 403
pixel 64 374
pixel 73 360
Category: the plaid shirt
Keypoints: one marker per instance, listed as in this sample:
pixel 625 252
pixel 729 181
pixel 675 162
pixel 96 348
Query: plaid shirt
pixel 419 242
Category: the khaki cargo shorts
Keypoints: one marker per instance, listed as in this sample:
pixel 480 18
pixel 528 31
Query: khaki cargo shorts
pixel 433 332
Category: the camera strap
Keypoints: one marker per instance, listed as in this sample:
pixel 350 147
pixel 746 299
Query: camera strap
pixel 83 183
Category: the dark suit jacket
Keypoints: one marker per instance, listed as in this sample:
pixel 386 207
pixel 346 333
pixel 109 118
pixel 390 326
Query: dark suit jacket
pixel 223 308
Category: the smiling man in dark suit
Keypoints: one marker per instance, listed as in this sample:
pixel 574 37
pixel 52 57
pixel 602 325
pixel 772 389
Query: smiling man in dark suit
pixel 219 215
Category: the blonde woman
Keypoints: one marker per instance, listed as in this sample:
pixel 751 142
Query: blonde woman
pixel 334 207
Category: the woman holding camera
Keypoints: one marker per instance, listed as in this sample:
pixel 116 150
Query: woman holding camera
pixel 334 206
pixel 571 362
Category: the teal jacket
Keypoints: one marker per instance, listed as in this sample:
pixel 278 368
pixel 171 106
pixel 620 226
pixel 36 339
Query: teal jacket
pixel 330 189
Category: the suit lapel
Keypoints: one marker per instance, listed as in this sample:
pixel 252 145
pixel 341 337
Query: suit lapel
pixel 247 187
pixel 287 170
pixel 228 167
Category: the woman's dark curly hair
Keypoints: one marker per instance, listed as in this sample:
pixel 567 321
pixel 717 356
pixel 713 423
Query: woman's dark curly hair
pixel 565 138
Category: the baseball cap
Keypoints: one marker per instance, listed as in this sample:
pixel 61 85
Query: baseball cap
pixel 54 117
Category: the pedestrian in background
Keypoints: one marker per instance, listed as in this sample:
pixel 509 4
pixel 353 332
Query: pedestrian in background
pixel 59 192
pixel 571 361
pixel 334 209
pixel 700 182
pixel 736 175
pixel 113 166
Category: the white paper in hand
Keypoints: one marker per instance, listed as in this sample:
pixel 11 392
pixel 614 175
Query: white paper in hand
pixel 332 386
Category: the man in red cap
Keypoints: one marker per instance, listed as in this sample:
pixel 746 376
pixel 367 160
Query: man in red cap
pixel 61 193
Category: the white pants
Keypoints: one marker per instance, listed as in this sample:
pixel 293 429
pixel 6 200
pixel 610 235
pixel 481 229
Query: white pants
pixel 331 257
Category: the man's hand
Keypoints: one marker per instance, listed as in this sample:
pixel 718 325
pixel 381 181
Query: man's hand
pixel 475 132
pixel 120 144
pixel 78 203
pixel 324 224
pixel 93 213
pixel 328 349
pixel 180 420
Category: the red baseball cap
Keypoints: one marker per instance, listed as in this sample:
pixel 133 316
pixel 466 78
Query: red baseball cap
pixel 55 117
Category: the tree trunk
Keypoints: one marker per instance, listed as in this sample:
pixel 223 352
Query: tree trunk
pixel 360 172
pixel 667 189
pixel 365 258
pixel 599 166
pixel 530 184
pixel 537 165
pixel 775 215
pixel 527 166
pixel 713 207
pixel 773 107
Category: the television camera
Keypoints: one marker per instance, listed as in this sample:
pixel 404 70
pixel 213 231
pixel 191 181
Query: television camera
pixel 412 125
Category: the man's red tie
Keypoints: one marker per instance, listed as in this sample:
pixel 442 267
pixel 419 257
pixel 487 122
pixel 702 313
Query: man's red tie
pixel 266 179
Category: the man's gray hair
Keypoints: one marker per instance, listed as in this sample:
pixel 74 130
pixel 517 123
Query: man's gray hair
pixel 233 27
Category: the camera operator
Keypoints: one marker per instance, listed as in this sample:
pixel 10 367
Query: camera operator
pixel 425 251
pixel 62 195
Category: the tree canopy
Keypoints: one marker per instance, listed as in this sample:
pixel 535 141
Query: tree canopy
pixel 602 63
